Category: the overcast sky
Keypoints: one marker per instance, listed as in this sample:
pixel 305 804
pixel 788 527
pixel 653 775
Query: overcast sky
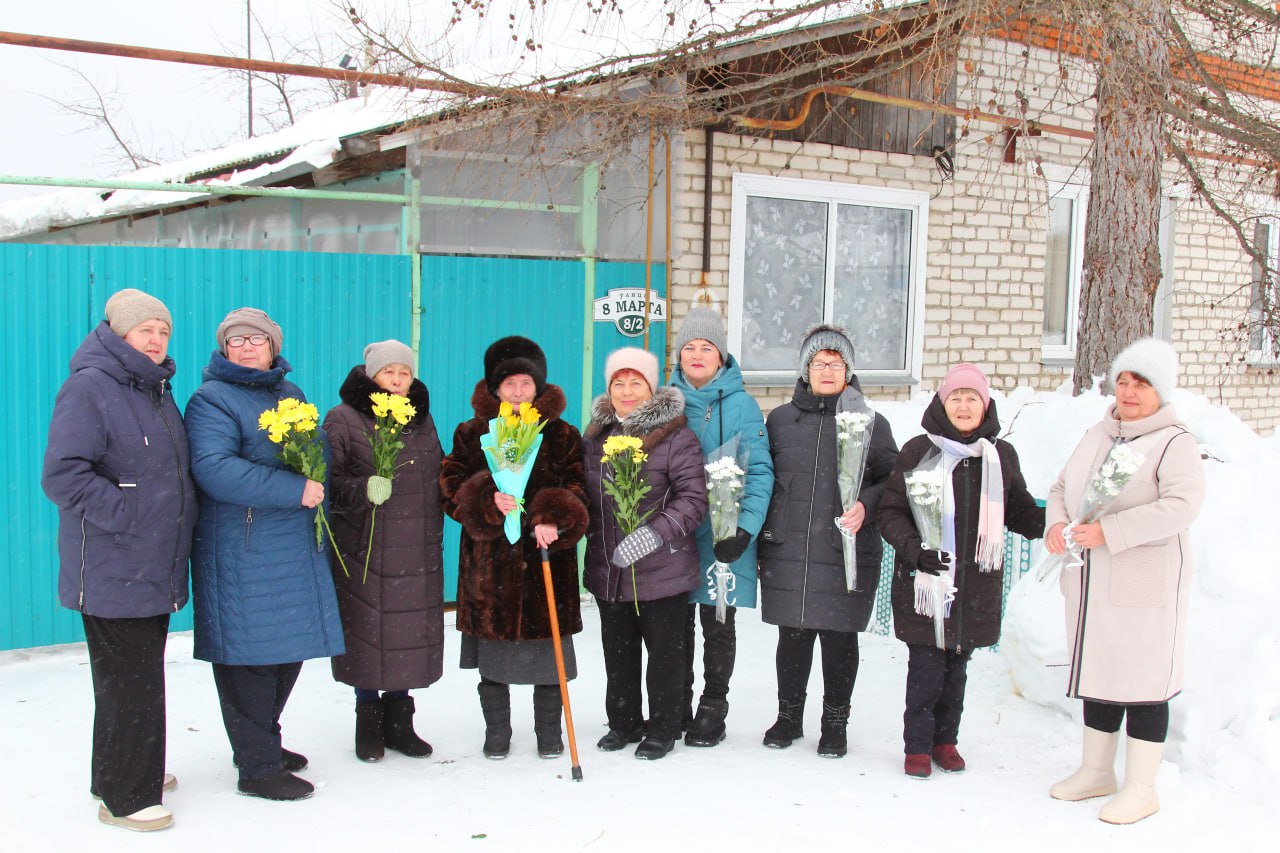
pixel 167 110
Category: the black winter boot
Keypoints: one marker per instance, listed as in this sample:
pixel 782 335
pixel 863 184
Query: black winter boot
pixel 834 741
pixel 495 701
pixel 547 708
pixel 707 728
pixel 400 736
pixel 369 731
pixel 789 725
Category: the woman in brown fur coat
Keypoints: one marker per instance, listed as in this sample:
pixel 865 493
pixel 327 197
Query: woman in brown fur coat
pixel 502 601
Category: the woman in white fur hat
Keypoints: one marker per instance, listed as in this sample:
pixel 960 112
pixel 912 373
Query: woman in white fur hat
pixel 1126 605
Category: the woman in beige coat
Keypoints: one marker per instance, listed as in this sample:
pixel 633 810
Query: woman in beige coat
pixel 1126 606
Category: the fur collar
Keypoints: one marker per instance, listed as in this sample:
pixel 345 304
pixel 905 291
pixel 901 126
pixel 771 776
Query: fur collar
pixel 653 420
pixel 550 403
pixel 358 386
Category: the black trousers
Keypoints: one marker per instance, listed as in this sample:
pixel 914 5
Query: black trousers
pixel 660 630
pixel 126 658
pixel 1145 722
pixel 252 700
pixel 935 697
pixel 719 650
pixel 794 661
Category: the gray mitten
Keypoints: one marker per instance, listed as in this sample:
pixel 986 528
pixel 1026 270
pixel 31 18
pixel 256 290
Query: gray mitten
pixel 638 545
pixel 378 489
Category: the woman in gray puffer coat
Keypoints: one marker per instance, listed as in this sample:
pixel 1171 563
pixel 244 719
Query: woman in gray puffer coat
pixel 802 571
pixel 641 581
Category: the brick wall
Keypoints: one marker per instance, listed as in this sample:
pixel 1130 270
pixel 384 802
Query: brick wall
pixel 986 243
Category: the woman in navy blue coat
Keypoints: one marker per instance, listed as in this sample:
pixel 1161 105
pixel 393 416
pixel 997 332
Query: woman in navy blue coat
pixel 118 468
pixel 264 598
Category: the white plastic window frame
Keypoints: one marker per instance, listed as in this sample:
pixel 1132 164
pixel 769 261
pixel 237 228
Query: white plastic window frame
pixel 833 194
pixel 1266 357
pixel 1064 355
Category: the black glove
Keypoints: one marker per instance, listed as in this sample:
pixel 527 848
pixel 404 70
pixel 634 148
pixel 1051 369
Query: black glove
pixel 931 563
pixel 728 550
pixel 638 545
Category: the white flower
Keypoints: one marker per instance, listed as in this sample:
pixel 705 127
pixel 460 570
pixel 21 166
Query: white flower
pixel 924 488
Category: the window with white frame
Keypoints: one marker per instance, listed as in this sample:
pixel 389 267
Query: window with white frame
pixel 1063 270
pixel 807 252
pixel 1264 301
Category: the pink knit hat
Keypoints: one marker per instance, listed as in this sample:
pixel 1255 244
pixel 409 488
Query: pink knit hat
pixel 966 375
pixel 632 358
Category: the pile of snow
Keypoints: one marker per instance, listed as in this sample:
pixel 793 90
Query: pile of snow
pixel 1227 720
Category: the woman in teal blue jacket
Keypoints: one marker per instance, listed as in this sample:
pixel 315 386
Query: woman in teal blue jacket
pixel 719 409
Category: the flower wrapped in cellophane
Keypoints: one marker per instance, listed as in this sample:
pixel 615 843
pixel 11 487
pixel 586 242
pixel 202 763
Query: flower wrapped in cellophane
pixel 853 441
pixel 391 412
pixel 510 447
pixel 295 426
pixel 726 479
pixel 623 459
pixel 926 495
pixel 1115 472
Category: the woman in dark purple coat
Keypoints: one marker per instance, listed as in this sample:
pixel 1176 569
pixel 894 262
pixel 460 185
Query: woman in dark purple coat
pixel 393 619
pixel 664 552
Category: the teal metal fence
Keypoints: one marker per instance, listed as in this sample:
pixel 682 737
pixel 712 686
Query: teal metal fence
pixel 329 306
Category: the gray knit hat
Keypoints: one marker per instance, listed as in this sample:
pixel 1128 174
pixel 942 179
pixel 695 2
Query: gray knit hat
pixel 249 321
pixel 129 307
pixel 829 338
pixel 379 355
pixel 702 324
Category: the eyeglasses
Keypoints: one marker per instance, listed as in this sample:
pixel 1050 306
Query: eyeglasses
pixel 237 341
pixel 833 366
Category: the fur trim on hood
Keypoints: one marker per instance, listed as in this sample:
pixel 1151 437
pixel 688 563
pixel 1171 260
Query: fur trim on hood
pixel 653 420
pixel 550 403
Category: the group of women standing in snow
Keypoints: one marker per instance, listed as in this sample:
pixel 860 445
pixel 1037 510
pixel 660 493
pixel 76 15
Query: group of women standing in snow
pixel 139 491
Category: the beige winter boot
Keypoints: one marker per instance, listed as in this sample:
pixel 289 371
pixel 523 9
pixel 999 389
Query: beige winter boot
pixel 1137 799
pixel 1097 774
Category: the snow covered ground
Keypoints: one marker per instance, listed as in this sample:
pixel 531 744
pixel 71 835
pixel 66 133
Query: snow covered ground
pixel 1217 786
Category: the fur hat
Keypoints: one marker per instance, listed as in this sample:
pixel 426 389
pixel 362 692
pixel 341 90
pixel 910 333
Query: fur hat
pixel 703 324
pixel 511 356
pixel 632 358
pixel 379 355
pixel 966 375
pixel 1152 359
pixel 129 307
pixel 250 321
pixel 826 337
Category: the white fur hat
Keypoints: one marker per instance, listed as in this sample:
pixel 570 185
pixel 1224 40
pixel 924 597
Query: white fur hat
pixel 1152 359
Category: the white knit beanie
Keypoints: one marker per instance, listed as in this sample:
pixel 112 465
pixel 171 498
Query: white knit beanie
pixel 632 358
pixel 1152 359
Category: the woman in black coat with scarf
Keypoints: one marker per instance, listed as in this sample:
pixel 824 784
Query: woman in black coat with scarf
pixel 802 572
pixel 393 619
pixel 988 494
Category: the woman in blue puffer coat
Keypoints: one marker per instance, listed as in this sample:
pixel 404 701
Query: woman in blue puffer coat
pixel 719 410
pixel 118 468
pixel 264 598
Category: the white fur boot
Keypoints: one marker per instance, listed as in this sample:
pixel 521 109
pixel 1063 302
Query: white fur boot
pixel 1137 799
pixel 1097 774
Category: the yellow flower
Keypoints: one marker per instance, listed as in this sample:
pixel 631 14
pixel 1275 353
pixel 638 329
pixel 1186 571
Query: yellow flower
pixel 616 445
pixel 528 414
pixel 305 426
pixel 504 410
pixel 277 433
pixel 381 404
pixel 269 419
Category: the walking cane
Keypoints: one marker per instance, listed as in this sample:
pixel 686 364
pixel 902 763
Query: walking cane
pixel 564 683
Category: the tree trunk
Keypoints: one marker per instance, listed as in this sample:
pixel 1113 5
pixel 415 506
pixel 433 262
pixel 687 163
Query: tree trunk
pixel 1122 251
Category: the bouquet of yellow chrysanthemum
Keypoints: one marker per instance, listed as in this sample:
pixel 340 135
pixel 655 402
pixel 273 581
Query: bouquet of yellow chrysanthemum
pixel 294 425
pixel 624 456
pixel 510 446
pixel 390 413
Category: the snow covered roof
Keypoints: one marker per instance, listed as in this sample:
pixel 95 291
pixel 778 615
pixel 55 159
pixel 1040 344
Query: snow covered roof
pixel 311 143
